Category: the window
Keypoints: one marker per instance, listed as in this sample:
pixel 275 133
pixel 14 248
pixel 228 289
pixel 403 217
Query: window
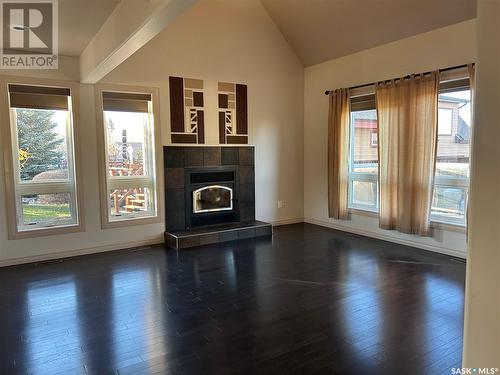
pixel 450 191
pixel 44 192
pixel 129 164
pixel 445 119
pixel 451 182
pixel 363 154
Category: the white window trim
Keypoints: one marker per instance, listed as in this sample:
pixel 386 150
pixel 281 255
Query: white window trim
pixel 133 181
pixel 14 188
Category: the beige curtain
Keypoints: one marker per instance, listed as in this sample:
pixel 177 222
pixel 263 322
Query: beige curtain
pixel 407 142
pixel 338 152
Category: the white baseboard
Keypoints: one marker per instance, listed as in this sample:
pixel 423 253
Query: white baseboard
pixel 369 233
pixel 77 252
pixel 287 221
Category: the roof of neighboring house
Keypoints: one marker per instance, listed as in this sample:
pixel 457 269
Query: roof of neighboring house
pixel 463 131
pixel 451 99
pixel 366 115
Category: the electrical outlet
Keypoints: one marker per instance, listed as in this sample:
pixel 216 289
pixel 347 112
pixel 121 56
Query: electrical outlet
pixel 281 204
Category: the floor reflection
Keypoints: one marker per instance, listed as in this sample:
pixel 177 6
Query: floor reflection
pixel 52 333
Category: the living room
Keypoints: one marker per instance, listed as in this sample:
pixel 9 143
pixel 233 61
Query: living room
pixel 180 195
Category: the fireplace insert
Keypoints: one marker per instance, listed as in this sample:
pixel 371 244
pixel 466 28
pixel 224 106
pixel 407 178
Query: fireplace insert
pixel 212 198
pixel 211 195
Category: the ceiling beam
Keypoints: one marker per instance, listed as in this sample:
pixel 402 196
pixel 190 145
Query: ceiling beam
pixel 132 24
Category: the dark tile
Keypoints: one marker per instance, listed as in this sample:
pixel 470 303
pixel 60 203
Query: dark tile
pixel 247 192
pixel 186 242
pixel 170 240
pixel 174 199
pixel 246 233
pixel 197 99
pixel 174 178
pixel 210 238
pixel 211 156
pixel 176 88
pixel 193 157
pixel 175 220
pixel 173 157
pixel 237 139
pixel 246 174
pixel 247 211
pixel 228 236
pixel 247 155
pixel 183 138
pixel 223 100
pixel 264 231
pixel 230 155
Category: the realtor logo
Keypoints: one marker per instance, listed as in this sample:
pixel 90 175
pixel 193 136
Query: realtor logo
pixel 29 34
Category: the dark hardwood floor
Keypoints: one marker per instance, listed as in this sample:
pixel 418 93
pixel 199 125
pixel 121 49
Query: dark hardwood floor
pixel 312 300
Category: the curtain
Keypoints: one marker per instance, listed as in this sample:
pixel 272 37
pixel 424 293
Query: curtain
pixel 338 152
pixel 407 141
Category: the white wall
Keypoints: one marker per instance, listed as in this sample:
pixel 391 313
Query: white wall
pixel 236 41
pixel 482 297
pixel 217 40
pixel 450 46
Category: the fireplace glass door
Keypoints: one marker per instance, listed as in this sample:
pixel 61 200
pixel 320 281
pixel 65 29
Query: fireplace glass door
pixel 212 198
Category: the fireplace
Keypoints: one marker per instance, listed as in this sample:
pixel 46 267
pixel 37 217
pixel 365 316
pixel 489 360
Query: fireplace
pixel 211 195
pixel 208 185
pixel 212 198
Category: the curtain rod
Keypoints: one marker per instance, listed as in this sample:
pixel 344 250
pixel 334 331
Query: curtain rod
pixel 327 92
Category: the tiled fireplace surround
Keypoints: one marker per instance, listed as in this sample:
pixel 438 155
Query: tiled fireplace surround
pixel 178 160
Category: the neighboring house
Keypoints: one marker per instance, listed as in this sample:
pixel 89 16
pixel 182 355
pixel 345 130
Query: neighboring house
pixel 365 137
pixel 453 132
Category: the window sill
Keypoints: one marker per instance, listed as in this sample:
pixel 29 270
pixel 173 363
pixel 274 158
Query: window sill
pixel 43 232
pixel 131 222
pixel 434 224
pixel 449 227
pixel 358 211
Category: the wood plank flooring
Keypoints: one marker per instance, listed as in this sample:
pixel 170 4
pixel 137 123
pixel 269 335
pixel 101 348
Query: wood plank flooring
pixel 311 300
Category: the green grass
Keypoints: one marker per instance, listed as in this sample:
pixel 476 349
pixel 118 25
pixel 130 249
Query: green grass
pixel 39 212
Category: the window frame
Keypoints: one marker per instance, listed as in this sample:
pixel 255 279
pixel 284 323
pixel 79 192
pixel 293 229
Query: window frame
pixel 15 189
pixel 106 220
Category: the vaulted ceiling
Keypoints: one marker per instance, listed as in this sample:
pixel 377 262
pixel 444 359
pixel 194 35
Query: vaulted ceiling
pixel 320 30
pixel 79 21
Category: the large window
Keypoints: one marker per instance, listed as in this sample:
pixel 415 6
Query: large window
pixel 129 152
pixel 451 180
pixel 43 160
pixel 363 154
